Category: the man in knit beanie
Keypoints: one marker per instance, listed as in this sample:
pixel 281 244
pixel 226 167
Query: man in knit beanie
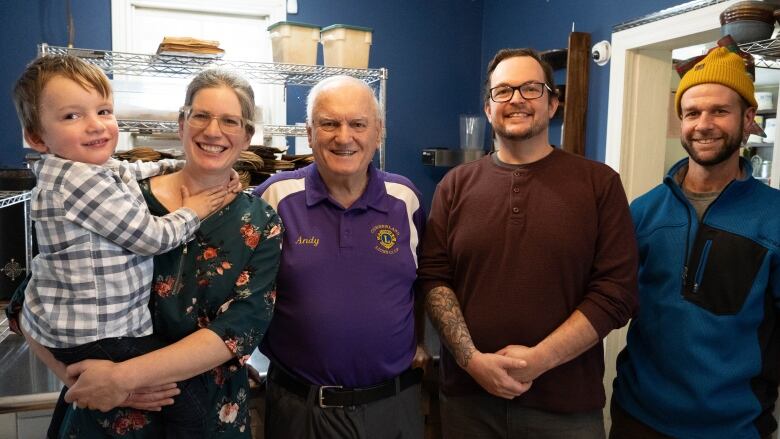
pixel 703 355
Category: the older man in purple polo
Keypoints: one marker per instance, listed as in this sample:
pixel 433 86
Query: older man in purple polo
pixel 342 340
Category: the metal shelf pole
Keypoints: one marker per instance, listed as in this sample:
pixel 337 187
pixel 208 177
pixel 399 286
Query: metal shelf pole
pixel 183 66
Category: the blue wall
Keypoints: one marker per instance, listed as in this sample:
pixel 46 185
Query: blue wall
pixel 435 51
pixel 432 52
pixel 431 49
pixel 25 25
pixel 508 23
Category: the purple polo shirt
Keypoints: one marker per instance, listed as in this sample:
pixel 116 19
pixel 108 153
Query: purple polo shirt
pixel 344 310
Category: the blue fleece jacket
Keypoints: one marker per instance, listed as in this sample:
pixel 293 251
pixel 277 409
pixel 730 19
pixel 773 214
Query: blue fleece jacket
pixel 703 354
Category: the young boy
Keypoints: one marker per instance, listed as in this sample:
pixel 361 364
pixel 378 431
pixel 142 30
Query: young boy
pixel 89 291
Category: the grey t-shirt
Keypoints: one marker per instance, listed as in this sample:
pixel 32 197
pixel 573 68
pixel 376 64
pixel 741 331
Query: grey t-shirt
pixel 699 200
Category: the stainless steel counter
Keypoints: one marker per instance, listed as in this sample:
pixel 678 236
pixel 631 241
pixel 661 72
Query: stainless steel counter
pixel 25 383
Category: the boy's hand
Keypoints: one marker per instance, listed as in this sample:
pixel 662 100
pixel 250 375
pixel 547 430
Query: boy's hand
pixel 234 185
pixel 204 203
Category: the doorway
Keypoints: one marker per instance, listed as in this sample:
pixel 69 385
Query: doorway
pixel 640 76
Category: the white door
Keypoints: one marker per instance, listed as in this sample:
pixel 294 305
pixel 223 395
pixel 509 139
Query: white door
pixel 640 74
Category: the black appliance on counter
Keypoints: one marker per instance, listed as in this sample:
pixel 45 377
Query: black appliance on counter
pixel 13 237
pixel 450 157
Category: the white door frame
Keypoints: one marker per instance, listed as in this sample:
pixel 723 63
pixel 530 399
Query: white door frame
pixel 639 74
pixel 639 81
pixel 640 70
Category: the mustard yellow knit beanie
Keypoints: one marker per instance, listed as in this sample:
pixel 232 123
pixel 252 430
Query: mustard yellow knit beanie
pixel 720 66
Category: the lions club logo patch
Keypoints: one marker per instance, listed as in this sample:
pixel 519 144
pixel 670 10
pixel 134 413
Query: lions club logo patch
pixel 386 238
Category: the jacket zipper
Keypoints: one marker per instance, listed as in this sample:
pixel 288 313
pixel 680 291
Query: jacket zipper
pixel 687 250
pixel 688 235
pixel 702 264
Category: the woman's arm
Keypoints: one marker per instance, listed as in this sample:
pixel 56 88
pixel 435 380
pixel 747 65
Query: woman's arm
pixel 103 384
pixel 151 398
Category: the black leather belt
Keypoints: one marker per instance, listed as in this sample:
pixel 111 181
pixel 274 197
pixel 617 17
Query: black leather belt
pixel 338 396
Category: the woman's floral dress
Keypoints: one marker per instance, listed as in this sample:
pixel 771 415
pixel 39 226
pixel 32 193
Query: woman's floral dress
pixel 223 280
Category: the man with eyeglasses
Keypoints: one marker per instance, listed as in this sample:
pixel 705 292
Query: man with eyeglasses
pixel 528 261
pixel 343 341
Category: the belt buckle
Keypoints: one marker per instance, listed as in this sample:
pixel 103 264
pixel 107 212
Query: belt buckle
pixel 322 398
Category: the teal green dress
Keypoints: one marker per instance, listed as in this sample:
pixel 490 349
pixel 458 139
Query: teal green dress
pixel 223 280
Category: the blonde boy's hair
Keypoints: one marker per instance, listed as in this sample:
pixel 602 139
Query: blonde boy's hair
pixel 29 87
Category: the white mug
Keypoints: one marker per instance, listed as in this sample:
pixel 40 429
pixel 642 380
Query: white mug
pixel 769 129
pixel 766 165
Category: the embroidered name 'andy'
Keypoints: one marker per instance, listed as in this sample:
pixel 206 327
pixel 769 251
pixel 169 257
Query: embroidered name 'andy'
pixel 312 241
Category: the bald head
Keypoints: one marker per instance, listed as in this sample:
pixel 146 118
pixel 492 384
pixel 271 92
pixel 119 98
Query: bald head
pixel 335 83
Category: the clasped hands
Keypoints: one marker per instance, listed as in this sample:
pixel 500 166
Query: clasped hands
pixel 99 385
pixel 509 372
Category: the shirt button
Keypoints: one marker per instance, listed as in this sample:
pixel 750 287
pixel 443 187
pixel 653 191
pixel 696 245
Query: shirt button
pixel 516 173
pixel 516 209
pixel 516 189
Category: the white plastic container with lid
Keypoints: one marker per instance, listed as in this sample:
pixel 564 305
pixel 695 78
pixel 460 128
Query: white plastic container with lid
pixel 294 43
pixel 765 100
pixel 346 46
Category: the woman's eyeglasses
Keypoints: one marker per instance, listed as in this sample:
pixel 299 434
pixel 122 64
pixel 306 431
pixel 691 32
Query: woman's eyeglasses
pixel 201 119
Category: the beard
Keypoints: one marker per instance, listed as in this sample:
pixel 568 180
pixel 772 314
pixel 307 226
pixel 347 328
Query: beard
pixel 538 125
pixel 536 128
pixel 731 144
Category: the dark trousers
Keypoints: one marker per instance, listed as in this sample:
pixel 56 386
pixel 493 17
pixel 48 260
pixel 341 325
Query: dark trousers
pixel 484 416
pixel 184 419
pixel 625 426
pixel 290 416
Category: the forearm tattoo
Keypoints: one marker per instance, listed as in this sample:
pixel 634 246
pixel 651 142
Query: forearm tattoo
pixel 444 311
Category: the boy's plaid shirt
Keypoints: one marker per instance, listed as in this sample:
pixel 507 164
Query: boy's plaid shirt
pixel 96 237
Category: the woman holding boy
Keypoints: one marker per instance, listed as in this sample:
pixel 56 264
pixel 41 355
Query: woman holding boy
pixel 212 298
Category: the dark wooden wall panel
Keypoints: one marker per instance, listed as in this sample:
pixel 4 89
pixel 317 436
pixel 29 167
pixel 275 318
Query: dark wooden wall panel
pixel 576 100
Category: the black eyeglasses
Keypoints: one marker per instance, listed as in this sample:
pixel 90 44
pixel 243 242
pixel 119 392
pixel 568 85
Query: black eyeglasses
pixel 529 91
